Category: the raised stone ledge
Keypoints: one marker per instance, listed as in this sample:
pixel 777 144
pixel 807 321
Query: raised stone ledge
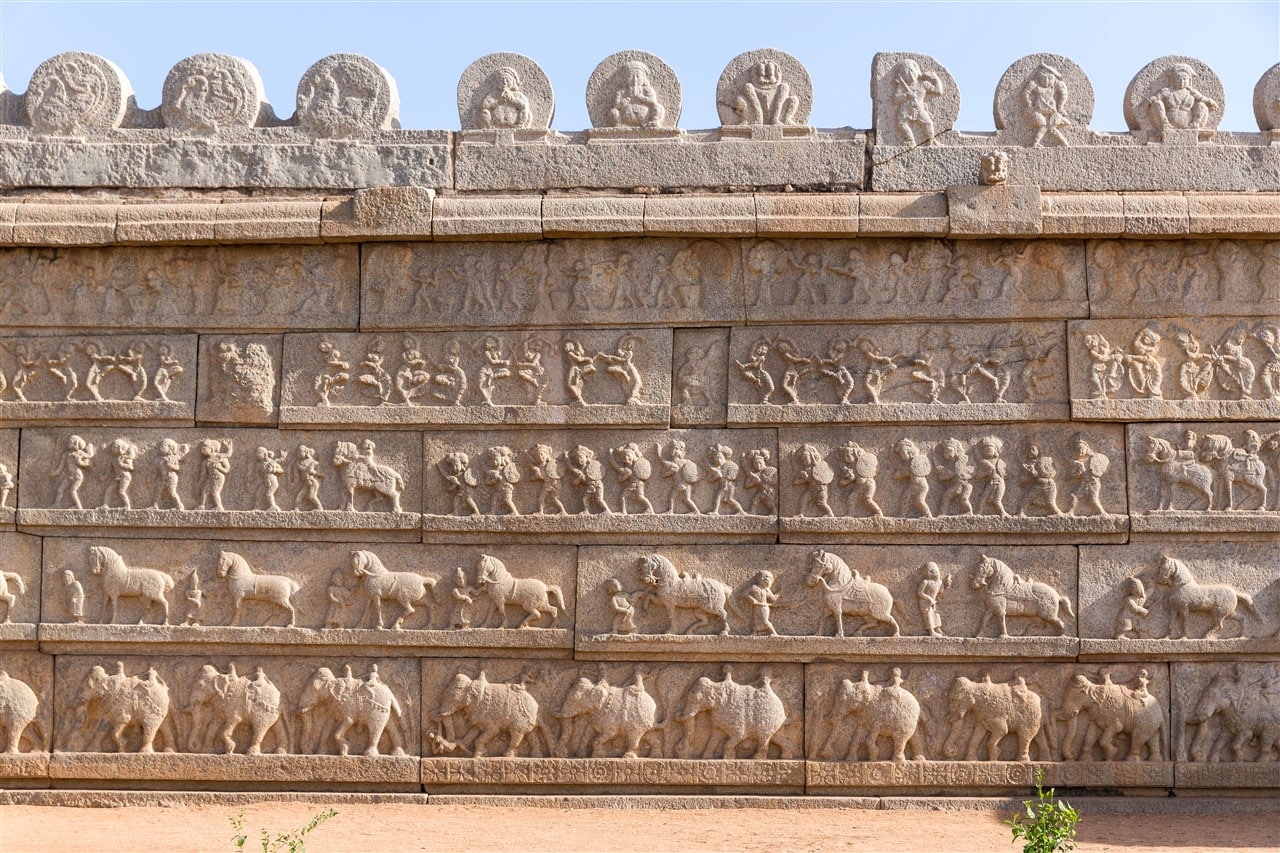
pixel 418 213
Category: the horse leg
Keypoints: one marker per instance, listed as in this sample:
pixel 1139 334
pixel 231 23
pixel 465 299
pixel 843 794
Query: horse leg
pixel 531 612
pixel 408 610
pixel 293 614
pixel 235 615
pixel 1004 623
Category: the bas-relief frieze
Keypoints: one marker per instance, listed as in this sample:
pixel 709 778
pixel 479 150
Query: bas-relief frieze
pixel 538 377
pixel 8 478
pixel 987 725
pixel 897 374
pixel 1183 278
pixel 26 716
pixel 110 482
pixel 1175 369
pixel 1226 724
pixel 603 485
pixel 209 288
pixel 493 723
pixel 1205 478
pixel 1180 600
pixel 1058 482
pixel 795 602
pixel 99 378
pixel 396 599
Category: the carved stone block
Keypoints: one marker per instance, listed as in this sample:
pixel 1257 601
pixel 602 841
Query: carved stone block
pixel 952 483
pixel 1183 278
pixel 1205 478
pixel 209 287
pixel 830 280
pixel 699 379
pixel 610 485
pixel 794 602
pixel 242 721
pixel 536 377
pixel 26 726
pixel 1180 601
pixel 8 478
pixel 988 727
pixel 239 379
pixel 559 725
pixel 1196 368
pixel 897 374
pixel 625 281
pixel 255 482
pixel 386 599
pixel 98 379
pixel 19 590
pixel 1226 724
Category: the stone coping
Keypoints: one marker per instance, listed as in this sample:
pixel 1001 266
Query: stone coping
pixel 415 213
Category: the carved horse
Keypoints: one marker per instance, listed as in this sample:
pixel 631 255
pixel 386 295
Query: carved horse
pixel 120 581
pixel 1178 472
pixel 847 593
pixel 1111 709
pixel 1009 594
pixel 1187 595
pixel 9 599
pixel 359 472
pixel 380 584
pixel 530 594
pixel 675 590
pixel 247 586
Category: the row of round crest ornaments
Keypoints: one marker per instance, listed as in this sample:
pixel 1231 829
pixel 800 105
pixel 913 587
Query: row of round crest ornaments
pixel 1045 99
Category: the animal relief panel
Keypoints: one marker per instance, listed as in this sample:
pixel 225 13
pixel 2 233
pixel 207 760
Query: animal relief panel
pixel 1029 484
pixel 827 281
pixel 605 485
pixel 796 602
pixel 929 728
pixel 26 718
pixel 897 374
pixel 106 482
pixel 1226 724
pixel 539 377
pixel 8 478
pixel 98 379
pixel 265 722
pixel 357 598
pixel 1211 478
pixel 621 727
pixel 628 281
pixel 1180 600
pixel 1199 368
pixel 19 590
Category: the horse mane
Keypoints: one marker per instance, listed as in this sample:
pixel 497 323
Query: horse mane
pixel 1178 570
pixel 1163 446
pixel 371 561
pixel 657 562
pixel 493 563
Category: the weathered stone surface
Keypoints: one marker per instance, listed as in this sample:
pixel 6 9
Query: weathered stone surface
pixel 989 726
pixel 1043 99
pixel 208 92
pixel 269 222
pixel 19 592
pixel 720 214
pixel 1156 215
pixel 1033 484
pixel 1266 99
pixel 8 477
pixel 632 92
pixel 498 723
pixel 1190 368
pixel 1096 214
pixel 541 377
pixel 832 281
pixel 61 223
pixel 699 383
pixel 347 95
pixel 121 482
pixel 1182 278
pixel 569 282
pixel 388 599
pixel 896 374
pixel 1174 99
pixel 1005 209
pixel 395 212
pixel 1255 213
pixel 98 379
pixel 1205 478
pixel 239 379
pixel 903 214
pixel 914 100
pixel 102 95
pixel 462 217
pixel 764 87
pixel 1224 724
pixel 163 222
pixel 795 602
pixel 1201 601
pixel 210 288
pixel 505 92
pixel 592 216
pixel 601 485
pixel 793 214
pixel 26 689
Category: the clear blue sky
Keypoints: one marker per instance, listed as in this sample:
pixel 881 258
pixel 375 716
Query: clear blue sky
pixel 426 45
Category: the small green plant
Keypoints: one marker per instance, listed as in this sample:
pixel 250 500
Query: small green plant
pixel 284 842
pixel 1049 825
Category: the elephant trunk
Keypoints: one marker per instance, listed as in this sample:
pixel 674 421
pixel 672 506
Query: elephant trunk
pixel 1069 748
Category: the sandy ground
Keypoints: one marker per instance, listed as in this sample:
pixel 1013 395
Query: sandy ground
pixel 395 827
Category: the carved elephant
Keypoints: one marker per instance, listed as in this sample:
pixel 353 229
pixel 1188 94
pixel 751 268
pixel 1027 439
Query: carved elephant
pixel 122 701
pixel 879 711
pixel 612 714
pixel 229 700
pixel 488 709
pixel 1111 709
pixel 997 710
pixel 1247 709
pixel 739 713
pixel 18 706
pixel 367 703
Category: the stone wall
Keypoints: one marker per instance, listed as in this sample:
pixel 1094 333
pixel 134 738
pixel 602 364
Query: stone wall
pixel 762 459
